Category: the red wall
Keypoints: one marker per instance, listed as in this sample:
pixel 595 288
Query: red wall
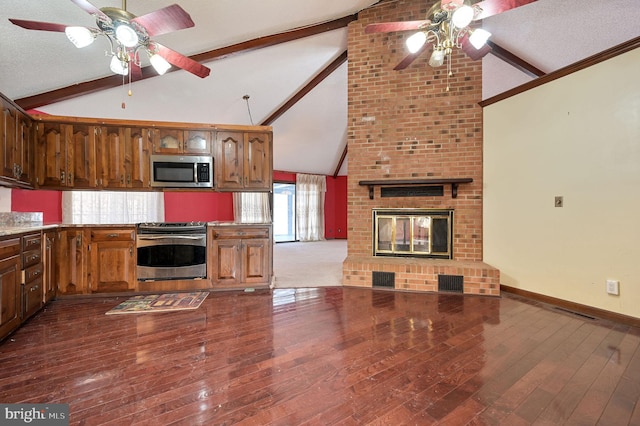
pixel 198 206
pixel 47 202
pixel 335 208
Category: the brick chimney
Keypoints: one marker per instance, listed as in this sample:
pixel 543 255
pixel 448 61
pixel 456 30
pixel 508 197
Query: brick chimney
pixel 406 125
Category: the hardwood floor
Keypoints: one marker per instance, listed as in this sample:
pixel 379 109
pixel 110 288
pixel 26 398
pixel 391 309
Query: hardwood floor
pixel 326 356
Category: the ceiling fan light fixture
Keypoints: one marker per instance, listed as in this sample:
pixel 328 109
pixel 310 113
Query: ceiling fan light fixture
pixel 479 37
pixel 462 16
pixel 416 41
pixel 126 35
pixel 118 66
pixel 80 36
pixel 437 58
pixel 159 63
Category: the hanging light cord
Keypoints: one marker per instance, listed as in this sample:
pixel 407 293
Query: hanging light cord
pixel 246 98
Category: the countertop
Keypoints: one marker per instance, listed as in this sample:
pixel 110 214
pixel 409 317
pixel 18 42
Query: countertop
pixel 16 229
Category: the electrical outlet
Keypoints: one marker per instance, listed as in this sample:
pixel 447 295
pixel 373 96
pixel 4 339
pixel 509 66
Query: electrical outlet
pixel 613 287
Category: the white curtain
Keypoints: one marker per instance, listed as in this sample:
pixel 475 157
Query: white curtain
pixel 107 207
pixel 310 190
pixel 251 207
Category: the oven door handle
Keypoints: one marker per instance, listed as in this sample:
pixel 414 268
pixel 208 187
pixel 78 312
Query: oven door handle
pixel 164 237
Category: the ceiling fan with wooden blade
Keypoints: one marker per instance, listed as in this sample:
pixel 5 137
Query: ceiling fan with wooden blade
pixel 129 35
pixel 446 27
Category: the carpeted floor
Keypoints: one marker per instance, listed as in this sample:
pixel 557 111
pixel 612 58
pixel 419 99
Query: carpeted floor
pixel 309 264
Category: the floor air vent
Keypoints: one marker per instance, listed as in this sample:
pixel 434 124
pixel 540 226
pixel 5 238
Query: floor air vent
pixel 383 279
pixel 451 283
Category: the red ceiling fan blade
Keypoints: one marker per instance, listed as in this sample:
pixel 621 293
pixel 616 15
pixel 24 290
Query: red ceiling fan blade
pixel 165 20
pixel 493 7
pixel 90 9
pixel 471 51
pixel 387 27
pixel 37 25
pixel 181 61
pixel 411 57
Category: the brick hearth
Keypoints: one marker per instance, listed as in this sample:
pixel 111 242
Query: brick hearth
pixel 406 125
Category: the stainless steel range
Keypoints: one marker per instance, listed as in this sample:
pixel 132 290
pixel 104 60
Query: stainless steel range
pixel 172 251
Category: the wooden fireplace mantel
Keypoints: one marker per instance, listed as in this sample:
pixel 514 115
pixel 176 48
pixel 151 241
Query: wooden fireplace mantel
pixel 410 182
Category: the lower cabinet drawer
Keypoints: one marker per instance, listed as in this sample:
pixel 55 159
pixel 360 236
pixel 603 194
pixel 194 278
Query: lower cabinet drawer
pixel 31 298
pixel 33 272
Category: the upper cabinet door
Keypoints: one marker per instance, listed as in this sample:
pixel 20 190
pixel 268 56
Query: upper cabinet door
pixel 82 168
pixel 197 142
pixel 51 158
pixel 8 132
pixel 257 161
pixel 229 161
pixel 113 146
pixel 137 157
pixel 168 141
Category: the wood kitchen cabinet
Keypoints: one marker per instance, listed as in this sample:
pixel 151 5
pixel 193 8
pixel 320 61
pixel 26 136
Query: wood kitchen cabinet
pixel 32 275
pixel 81 155
pixel 243 161
pixel 124 157
pixel 51 155
pixel 72 252
pixel 241 255
pixel 16 145
pixel 50 283
pixel 180 141
pixel 10 249
pixel 66 155
pixel 113 260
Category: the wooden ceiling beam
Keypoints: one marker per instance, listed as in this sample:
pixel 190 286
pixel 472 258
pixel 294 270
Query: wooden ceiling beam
pixel 514 61
pixel 306 89
pixel 112 81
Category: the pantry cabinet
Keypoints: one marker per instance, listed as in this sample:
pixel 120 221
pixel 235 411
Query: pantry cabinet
pixel 113 260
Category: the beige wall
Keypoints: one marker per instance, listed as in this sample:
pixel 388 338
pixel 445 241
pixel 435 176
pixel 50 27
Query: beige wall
pixel 576 137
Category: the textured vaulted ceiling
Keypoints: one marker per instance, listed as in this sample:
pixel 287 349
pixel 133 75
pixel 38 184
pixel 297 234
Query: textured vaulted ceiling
pixel 310 136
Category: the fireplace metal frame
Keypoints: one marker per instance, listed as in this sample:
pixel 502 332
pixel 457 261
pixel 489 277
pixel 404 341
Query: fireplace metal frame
pixel 408 244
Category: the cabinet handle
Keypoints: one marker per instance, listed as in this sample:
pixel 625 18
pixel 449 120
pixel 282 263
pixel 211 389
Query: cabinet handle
pixel 131 251
pixel 36 273
pixel 122 180
pixel 70 178
pixel 112 236
pixel 62 176
pixel 129 179
pixel 34 288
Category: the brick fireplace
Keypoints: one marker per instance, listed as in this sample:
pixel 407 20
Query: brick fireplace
pixel 404 126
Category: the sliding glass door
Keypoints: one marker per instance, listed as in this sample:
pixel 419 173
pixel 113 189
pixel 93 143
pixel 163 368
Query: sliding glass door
pixel 284 212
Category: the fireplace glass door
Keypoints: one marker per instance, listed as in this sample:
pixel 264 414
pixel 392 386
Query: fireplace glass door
pixel 413 233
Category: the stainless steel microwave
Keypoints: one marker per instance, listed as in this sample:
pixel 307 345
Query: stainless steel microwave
pixel 182 171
